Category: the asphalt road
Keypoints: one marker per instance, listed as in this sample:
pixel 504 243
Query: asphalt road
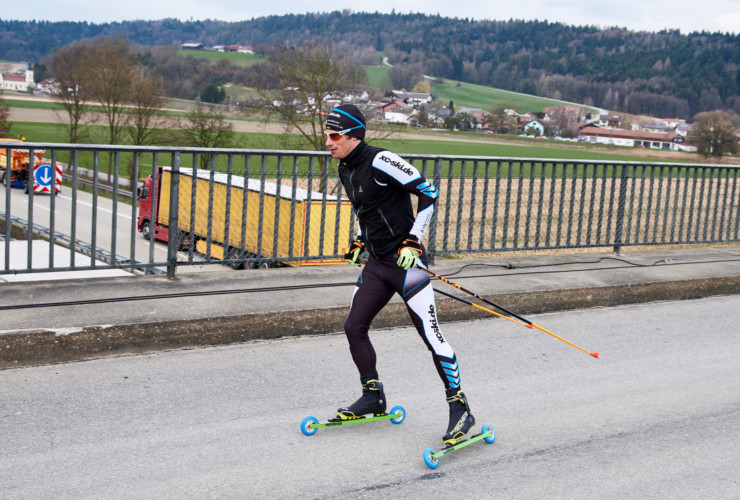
pixel 657 416
pixel 84 223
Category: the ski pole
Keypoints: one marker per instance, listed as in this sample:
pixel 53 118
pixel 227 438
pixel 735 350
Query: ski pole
pixel 526 323
pixel 481 307
pixel 442 278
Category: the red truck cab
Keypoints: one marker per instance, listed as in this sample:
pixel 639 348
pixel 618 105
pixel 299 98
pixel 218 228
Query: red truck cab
pixel 147 220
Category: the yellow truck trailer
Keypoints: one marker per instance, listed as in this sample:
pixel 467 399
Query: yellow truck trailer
pixel 308 222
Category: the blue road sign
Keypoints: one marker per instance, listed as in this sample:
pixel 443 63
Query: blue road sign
pixel 42 175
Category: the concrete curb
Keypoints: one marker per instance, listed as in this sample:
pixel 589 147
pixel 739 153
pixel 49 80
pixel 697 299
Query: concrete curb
pixel 45 346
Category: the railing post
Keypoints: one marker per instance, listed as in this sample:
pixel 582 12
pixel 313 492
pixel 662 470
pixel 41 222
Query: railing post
pixel 172 239
pixel 432 241
pixel 620 209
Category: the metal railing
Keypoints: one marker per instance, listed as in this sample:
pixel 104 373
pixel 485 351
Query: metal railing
pixel 509 204
pixel 259 208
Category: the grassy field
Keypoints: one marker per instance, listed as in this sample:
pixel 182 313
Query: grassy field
pixel 57 133
pixel 467 94
pixel 237 93
pixel 531 148
pixel 235 58
pixel 32 104
pixel 513 149
pixel 40 132
pixel 477 96
pixel 378 76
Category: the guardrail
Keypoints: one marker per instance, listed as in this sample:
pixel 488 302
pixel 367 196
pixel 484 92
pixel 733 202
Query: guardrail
pixel 258 208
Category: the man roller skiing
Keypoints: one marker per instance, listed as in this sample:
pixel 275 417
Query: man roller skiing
pixel 379 184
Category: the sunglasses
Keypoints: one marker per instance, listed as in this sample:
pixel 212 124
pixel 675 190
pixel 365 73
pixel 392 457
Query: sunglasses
pixel 334 135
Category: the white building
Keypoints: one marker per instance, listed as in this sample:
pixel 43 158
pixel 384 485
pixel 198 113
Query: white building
pixel 411 98
pixel 398 116
pixel 20 81
pixel 534 127
pixel 48 86
pixel 635 138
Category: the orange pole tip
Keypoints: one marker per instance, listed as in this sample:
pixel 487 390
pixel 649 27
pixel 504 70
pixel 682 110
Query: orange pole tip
pixel 595 354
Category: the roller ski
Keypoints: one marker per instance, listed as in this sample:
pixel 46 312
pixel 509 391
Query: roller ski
pixel 431 457
pixel 369 408
pixel 461 421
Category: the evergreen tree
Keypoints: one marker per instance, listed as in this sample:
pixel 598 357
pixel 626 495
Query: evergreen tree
pixel 212 94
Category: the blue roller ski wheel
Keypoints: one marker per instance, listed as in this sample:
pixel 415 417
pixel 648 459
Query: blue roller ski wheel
pixel 306 426
pixel 402 414
pixel 492 437
pixel 429 459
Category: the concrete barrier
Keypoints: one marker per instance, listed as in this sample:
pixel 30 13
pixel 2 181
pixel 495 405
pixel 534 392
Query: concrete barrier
pixel 43 346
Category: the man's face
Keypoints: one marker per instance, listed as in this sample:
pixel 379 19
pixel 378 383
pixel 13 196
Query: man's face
pixel 341 146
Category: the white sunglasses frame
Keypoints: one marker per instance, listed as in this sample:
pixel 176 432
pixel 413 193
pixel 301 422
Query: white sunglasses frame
pixel 329 133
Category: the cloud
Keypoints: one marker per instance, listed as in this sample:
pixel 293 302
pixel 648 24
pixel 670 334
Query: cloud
pixel 728 22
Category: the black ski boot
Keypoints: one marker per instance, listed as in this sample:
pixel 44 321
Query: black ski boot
pixel 461 420
pixel 372 401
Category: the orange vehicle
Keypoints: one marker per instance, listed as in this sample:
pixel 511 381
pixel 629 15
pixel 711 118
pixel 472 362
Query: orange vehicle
pixel 16 171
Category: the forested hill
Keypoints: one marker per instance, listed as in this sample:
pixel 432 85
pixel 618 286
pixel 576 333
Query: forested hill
pixel 666 73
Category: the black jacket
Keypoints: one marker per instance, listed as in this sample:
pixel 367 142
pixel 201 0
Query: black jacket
pixel 379 184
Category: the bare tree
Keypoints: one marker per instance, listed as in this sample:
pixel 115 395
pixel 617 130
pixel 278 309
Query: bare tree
pixel 423 87
pixel 70 68
pixel 305 77
pixel 145 116
pixel 405 76
pixel 205 128
pixel 111 86
pixel 500 119
pixel 146 121
pixel 564 119
pixel 714 133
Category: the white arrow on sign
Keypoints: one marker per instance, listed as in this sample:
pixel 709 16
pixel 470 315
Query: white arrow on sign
pixel 43 175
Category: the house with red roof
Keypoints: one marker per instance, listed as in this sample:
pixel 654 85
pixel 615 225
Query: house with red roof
pixel 20 81
pixel 634 138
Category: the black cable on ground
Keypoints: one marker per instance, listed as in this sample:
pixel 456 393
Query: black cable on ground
pixel 666 261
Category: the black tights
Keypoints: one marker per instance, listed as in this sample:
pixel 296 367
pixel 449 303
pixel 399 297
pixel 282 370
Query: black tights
pixel 380 279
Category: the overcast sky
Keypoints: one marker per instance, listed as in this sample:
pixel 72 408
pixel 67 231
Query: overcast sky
pixel 648 15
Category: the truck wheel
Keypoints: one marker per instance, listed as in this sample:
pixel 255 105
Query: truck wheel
pixel 146 230
pixel 233 255
pixel 183 241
